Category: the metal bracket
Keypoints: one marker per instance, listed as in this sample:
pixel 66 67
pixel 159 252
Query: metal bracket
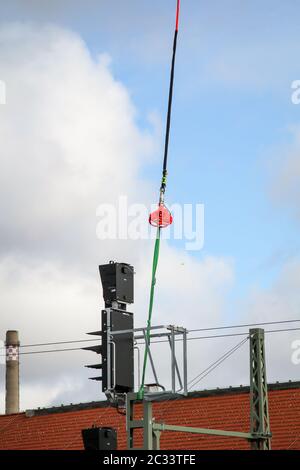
pixel 259 434
pixel 171 333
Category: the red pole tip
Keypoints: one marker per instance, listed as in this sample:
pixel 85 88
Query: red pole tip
pixel 177 14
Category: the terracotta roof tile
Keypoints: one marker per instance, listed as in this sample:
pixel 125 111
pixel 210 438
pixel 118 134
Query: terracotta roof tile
pixel 230 411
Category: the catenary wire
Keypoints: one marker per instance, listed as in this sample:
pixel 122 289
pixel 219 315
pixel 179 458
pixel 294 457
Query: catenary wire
pixel 245 325
pixel 215 364
pixel 164 341
pixel 207 371
pixel 190 331
pixel 223 336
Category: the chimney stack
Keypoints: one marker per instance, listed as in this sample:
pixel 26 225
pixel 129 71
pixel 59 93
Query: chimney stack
pixel 12 372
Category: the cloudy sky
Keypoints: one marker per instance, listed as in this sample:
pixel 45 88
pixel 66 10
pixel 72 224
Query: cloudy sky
pixel 86 88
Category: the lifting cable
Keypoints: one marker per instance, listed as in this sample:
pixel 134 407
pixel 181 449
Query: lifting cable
pixel 161 217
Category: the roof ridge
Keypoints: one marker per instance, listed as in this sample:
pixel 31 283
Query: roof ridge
pixel 231 390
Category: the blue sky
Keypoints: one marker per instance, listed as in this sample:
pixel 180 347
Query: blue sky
pixel 222 131
pixel 235 147
pixel 227 119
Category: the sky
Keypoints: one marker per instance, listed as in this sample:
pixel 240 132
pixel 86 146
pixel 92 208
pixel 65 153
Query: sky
pixel 86 96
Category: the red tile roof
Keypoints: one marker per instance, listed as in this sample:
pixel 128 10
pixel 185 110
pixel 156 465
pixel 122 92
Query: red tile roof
pixel 60 428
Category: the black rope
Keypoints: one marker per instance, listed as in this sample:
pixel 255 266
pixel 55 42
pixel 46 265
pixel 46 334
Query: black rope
pixel 168 124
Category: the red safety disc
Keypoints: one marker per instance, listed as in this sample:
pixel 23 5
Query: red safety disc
pixel 162 217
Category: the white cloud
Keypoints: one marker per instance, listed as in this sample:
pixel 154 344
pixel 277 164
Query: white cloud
pixel 69 141
pixel 278 302
pixel 77 143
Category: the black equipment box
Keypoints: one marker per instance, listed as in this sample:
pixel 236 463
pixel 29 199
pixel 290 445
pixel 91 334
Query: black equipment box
pixel 99 439
pixel 122 350
pixel 117 282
